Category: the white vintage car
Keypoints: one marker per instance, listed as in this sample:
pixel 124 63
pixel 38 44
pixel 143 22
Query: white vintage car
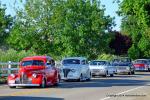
pixel 75 68
pixel 101 68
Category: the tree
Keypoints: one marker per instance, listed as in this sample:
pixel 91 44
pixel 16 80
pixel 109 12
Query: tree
pixel 5 25
pixel 121 43
pixel 62 28
pixel 136 23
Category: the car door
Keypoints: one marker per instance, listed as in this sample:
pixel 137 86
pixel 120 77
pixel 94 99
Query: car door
pixel 50 71
pixel 85 67
pixel 111 69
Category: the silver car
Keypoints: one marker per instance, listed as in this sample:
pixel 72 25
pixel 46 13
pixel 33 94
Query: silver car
pixel 75 68
pixel 101 68
pixel 123 65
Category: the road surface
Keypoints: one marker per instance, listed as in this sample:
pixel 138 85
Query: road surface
pixel 119 87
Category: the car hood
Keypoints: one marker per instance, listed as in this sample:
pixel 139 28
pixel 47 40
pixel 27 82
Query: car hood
pixel 30 69
pixel 97 67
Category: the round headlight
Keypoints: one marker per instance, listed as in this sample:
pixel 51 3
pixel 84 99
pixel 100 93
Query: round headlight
pixel 34 75
pixel 12 75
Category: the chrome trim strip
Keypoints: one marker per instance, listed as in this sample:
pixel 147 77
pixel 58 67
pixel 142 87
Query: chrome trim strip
pixel 23 84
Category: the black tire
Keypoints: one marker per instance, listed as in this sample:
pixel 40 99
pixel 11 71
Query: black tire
pixel 111 75
pixel 148 69
pixel 105 74
pixel 133 72
pixel 81 78
pixel 43 85
pixel 89 77
pixel 58 81
pixel 12 87
pixel 129 73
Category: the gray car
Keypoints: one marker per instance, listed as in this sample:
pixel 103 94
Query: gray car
pixel 123 65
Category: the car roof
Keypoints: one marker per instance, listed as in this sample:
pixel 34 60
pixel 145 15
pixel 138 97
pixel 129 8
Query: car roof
pixel 79 58
pixel 100 60
pixel 37 58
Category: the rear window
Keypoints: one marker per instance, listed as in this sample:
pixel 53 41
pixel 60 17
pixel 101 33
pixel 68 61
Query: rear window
pixel 71 61
pixel 32 62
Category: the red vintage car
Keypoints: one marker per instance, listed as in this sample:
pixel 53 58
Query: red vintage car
pixel 35 71
pixel 142 65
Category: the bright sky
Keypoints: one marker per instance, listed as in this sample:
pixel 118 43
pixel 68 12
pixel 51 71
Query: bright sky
pixel 111 9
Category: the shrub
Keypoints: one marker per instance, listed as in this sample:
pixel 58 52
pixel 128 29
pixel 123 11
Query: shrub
pixel 13 55
pixel 106 56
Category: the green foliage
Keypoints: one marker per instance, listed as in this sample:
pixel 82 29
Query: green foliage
pixel 62 28
pixel 106 57
pixel 133 52
pixel 13 55
pixel 136 23
pixel 5 24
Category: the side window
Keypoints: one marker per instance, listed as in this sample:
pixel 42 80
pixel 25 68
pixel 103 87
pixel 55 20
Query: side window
pixel 53 62
pixel 83 62
pixel 108 64
pixel 48 62
pixel 86 62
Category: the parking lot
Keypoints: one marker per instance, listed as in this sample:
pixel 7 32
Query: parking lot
pixel 119 87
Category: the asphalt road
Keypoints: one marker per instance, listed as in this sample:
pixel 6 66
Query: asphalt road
pixel 119 87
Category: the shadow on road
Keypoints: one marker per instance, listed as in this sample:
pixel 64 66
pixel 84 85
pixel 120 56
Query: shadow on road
pixel 106 83
pixel 28 98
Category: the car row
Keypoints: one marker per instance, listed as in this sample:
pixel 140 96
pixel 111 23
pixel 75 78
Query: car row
pixel 42 71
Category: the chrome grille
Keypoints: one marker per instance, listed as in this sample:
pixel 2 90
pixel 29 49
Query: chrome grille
pixel 66 71
pixel 95 70
pixel 23 78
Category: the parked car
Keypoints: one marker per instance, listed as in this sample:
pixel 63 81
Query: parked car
pixel 123 65
pixel 101 68
pixel 35 71
pixel 75 68
pixel 142 65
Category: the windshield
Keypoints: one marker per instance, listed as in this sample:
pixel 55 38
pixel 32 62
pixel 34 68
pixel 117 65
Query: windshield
pixel 71 61
pixel 98 63
pixel 33 62
pixel 122 60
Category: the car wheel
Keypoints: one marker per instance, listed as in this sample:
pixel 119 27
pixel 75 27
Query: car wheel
pixel 111 75
pixel 43 85
pixel 132 72
pixel 148 69
pixel 89 78
pixel 58 81
pixel 12 87
pixel 129 73
pixel 81 78
pixel 105 74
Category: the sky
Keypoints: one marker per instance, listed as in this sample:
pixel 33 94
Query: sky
pixel 111 9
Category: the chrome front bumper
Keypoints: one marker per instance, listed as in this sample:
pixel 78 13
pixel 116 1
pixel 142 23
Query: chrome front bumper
pixel 23 84
pixel 123 71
